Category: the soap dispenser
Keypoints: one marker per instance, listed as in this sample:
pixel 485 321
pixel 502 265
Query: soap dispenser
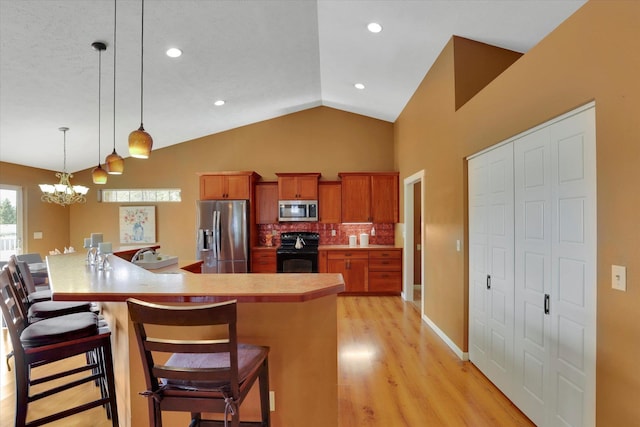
pixel 373 231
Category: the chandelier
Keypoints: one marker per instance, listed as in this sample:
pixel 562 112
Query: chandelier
pixel 64 193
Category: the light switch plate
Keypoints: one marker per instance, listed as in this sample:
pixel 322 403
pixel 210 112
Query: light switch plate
pixel 619 277
pixel 37 235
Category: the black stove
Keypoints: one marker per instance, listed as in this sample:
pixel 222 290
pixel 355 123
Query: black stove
pixel 298 252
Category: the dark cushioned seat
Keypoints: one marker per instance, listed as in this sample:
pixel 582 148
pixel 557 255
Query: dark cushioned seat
pixel 38 296
pixel 48 309
pixel 248 357
pixel 59 329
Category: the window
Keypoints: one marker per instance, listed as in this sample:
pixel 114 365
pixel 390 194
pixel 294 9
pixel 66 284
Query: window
pixel 10 221
pixel 140 195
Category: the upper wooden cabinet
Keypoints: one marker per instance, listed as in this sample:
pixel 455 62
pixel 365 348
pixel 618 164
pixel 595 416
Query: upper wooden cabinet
pixel 330 202
pixel 298 186
pixel 226 185
pixel 370 197
pixel 267 203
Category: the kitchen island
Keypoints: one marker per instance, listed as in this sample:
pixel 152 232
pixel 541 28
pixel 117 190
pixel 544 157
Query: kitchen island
pixel 294 314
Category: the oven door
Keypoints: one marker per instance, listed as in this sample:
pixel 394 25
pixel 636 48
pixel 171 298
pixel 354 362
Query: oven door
pixel 297 262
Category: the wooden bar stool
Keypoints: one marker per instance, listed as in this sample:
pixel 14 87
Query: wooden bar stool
pixel 201 376
pixel 51 340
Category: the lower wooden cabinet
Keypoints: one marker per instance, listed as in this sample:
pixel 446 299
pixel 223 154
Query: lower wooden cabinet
pixel 365 271
pixel 263 261
pixel 354 268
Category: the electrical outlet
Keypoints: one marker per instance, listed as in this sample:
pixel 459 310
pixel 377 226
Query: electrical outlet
pixel 333 233
pixel 272 401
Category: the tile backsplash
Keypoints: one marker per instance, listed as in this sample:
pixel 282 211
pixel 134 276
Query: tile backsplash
pixel 384 233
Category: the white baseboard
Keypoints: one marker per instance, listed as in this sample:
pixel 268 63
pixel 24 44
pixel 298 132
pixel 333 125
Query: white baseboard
pixel 461 354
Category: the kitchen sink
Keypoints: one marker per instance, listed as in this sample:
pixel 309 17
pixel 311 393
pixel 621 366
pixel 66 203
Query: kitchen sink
pixel 162 261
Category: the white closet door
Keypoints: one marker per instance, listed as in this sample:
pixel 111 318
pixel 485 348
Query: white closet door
pixel 532 164
pixel 491 264
pixel 555 288
pixel 573 272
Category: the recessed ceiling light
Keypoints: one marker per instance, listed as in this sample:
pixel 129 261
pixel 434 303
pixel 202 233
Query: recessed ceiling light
pixel 359 86
pixel 374 27
pixel 174 52
pixel 218 103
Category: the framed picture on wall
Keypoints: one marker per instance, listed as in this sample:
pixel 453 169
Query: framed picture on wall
pixel 137 224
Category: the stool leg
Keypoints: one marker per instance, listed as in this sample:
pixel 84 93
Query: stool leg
pixel 265 407
pixel 22 392
pixel 109 378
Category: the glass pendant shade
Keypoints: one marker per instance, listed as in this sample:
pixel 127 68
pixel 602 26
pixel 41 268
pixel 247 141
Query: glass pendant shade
pixel 99 175
pixel 114 164
pixel 140 143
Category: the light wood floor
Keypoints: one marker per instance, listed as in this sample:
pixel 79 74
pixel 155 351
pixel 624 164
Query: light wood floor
pixel 393 371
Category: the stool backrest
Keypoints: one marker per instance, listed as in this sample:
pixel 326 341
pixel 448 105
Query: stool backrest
pixel 154 340
pixel 21 294
pixel 12 310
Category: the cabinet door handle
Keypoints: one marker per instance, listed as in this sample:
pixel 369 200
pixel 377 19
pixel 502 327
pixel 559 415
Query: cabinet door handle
pixel 348 264
pixel 488 281
pixel 547 304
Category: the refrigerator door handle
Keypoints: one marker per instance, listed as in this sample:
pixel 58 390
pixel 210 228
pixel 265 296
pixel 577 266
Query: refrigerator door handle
pixel 216 236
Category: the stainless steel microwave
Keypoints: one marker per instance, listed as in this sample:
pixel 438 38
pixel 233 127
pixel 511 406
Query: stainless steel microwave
pixel 298 210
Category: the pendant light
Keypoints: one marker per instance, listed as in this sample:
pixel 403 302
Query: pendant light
pixel 114 163
pixel 140 142
pixel 99 175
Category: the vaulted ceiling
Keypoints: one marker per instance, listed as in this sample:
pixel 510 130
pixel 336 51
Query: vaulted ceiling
pixel 264 58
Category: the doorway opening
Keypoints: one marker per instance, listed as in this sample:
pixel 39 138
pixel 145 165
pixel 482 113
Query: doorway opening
pixel 413 272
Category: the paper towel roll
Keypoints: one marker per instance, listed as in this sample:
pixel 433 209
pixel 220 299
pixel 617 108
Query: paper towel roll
pixel 364 240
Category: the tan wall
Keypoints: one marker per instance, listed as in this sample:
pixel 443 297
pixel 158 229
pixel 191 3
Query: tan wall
pixel 317 140
pixel 594 55
pixel 52 220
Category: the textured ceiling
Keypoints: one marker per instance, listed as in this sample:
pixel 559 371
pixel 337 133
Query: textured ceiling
pixel 265 58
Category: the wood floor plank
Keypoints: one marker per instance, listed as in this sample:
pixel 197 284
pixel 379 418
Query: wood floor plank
pixel 393 371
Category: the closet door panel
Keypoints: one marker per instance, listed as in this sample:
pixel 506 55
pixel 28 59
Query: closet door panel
pixel 491 264
pixel 573 312
pixel 532 209
pixel 478 245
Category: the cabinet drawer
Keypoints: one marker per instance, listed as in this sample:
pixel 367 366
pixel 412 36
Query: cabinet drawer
pixel 347 254
pixel 260 255
pixel 385 281
pixel 383 264
pixel 385 254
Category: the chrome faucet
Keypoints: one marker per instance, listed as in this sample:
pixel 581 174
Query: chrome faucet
pixel 141 252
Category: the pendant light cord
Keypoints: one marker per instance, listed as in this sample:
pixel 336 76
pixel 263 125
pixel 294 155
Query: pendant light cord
pixel 99 98
pixel 141 64
pixel 115 16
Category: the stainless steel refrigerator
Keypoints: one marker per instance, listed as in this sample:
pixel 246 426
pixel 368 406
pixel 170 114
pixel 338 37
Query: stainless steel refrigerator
pixel 223 236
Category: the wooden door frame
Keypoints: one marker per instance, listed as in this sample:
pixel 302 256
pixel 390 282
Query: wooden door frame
pixel 409 244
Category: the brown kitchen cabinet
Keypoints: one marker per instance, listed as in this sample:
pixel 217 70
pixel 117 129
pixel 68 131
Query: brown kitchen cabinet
pixel 226 185
pixel 385 271
pixel 298 186
pixel 263 261
pixel 267 203
pixel 330 202
pixel 353 265
pixel 370 197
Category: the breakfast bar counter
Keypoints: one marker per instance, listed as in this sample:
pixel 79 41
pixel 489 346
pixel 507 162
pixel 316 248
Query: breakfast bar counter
pixel 294 314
